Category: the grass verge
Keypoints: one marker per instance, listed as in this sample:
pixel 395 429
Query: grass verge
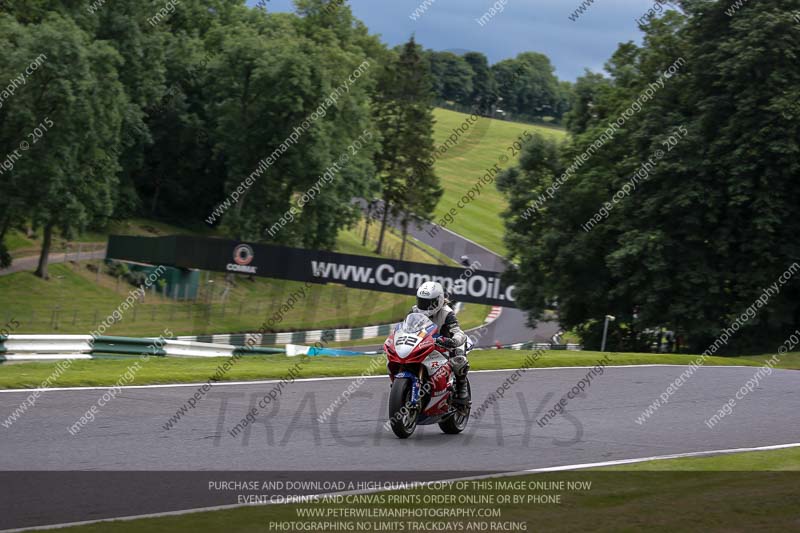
pixel 178 370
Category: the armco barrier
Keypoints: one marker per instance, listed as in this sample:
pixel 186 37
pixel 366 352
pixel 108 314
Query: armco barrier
pixel 51 347
pixel 46 344
pixel 295 337
pixel 541 346
pixel 127 346
pixel 308 337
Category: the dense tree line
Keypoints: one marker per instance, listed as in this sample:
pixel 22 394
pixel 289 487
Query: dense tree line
pixel 525 87
pixel 172 111
pixel 167 113
pixel 692 243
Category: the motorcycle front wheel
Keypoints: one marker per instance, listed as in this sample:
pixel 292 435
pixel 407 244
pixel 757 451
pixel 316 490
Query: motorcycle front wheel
pixel 402 417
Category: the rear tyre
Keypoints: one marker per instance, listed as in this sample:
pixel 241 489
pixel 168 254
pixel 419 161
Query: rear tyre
pixel 402 418
pixel 457 422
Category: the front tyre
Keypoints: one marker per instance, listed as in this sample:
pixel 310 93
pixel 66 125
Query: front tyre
pixel 402 417
pixel 457 422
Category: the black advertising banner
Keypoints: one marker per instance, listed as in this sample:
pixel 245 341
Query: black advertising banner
pixel 282 262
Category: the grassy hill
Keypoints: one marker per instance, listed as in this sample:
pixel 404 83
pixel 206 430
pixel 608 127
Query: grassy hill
pixel 77 297
pixel 485 143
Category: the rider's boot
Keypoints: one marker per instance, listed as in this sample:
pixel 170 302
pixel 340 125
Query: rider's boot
pixel 460 366
pixel 462 396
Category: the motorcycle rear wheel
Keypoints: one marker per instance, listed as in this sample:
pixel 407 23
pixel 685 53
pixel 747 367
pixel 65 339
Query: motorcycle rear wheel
pixel 402 418
pixel 457 422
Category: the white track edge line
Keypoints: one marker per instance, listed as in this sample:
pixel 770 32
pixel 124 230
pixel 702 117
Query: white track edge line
pixel 331 378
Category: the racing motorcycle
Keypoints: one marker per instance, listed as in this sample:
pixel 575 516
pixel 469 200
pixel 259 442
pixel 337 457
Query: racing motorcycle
pixel 423 384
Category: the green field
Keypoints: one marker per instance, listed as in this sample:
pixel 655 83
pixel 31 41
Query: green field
pixel 192 370
pixel 486 142
pixel 752 491
pixel 76 299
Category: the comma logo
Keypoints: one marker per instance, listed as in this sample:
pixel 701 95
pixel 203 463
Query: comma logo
pixel 242 256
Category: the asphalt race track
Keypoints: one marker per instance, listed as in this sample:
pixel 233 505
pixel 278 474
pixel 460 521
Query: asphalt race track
pixel 128 433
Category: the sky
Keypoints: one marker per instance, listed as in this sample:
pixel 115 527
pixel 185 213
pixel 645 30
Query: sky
pixel 522 25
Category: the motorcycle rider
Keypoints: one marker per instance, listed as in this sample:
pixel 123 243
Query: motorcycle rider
pixel 431 302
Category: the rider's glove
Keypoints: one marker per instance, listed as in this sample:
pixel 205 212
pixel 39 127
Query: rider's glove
pixel 444 342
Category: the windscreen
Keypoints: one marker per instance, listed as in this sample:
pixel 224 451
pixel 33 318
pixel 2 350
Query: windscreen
pixel 414 323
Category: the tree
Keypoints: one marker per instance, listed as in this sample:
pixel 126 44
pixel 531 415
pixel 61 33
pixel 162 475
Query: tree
pixel 70 114
pixel 13 61
pixel 452 77
pixel 584 99
pixel 527 85
pixel 404 118
pixel 180 175
pixel 696 243
pixel 563 100
pixel 277 78
pixel 484 86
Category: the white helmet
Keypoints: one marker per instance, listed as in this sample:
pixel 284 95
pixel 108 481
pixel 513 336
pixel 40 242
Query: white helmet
pixel 430 298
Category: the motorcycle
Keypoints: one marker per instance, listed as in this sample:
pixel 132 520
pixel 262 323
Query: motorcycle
pixel 422 381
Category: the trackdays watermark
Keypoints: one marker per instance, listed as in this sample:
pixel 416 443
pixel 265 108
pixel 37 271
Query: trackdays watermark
pixel 269 397
pixel 344 397
pixel 579 388
pixel 222 369
pixel 64 365
pixel 295 421
pixel 504 387
pixel 125 378
pixel 277 390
